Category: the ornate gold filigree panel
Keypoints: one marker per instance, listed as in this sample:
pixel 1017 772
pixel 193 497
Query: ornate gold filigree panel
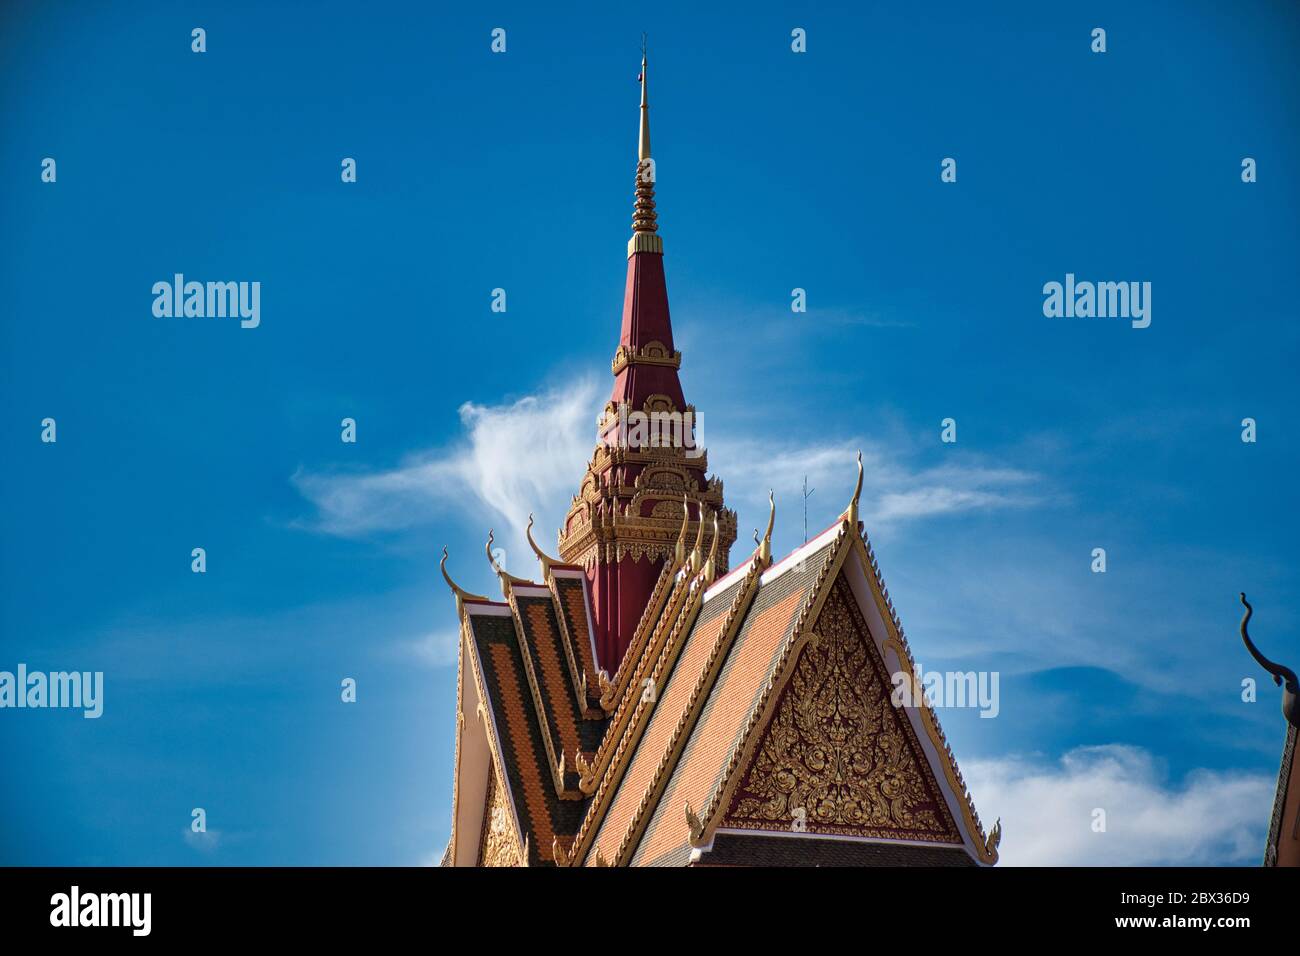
pixel 498 846
pixel 837 757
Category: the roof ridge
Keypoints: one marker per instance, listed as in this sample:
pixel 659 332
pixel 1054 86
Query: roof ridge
pixel 736 613
pixel 577 675
pixel 635 725
pixel 558 765
pixel 650 615
pixel 620 714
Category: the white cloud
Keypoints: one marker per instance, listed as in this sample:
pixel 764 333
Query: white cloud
pixel 437 649
pixel 205 841
pixel 893 491
pixel 1047 810
pixel 529 455
pixel 515 458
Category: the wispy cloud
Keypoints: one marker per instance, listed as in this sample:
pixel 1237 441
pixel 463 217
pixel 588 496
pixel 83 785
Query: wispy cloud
pixel 205 841
pixel 894 489
pixel 514 458
pixel 528 455
pixel 437 649
pixel 1048 810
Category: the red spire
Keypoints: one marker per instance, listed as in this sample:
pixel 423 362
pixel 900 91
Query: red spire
pixel 624 521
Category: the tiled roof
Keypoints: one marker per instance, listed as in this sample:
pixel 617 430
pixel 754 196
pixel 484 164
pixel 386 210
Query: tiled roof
pixel 542 815
pixel 748 669
pixel 671 708
pixel 547 667
pixel 571 599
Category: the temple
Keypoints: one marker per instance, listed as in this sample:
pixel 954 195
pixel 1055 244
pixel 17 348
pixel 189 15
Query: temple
pixel 643 703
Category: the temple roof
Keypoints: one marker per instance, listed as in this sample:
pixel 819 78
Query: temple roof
pixel 682 762
pixel 748 714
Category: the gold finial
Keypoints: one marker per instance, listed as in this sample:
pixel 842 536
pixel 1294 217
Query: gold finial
pixel 543 558
pixel 643 144
pixel 694 826
pixel 851 513
pixel 461 594
pixel 697 554
pixel 506 579
pixel 765 548
pixel 711 566
pixel 680 551
pixel 644 227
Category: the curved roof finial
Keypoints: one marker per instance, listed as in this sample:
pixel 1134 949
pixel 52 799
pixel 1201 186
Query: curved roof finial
pixel 711 566
pixel 697 554
pixel 851 513
pixel 679 553
pixel 544 559
pixel 765 547
pixel 456 589
pixel 507 579
pixel 1291 696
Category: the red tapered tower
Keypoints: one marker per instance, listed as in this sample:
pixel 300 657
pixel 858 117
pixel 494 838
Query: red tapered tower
pixel 627 515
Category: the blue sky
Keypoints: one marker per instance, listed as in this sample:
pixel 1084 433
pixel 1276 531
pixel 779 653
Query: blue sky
pixel 776 170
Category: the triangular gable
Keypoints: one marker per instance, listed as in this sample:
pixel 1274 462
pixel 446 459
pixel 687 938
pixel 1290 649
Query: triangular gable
pixel 836 757
pixel 743 699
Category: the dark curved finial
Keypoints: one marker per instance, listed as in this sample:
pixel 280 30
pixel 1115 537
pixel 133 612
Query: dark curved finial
pixel 1281 673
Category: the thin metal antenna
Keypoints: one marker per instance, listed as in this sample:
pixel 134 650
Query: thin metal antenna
pixel 806 493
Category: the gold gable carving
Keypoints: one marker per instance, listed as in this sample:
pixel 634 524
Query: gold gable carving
pixel 836 757
pixel 498 846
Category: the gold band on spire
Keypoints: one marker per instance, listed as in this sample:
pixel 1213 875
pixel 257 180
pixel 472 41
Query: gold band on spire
pixel 644 227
